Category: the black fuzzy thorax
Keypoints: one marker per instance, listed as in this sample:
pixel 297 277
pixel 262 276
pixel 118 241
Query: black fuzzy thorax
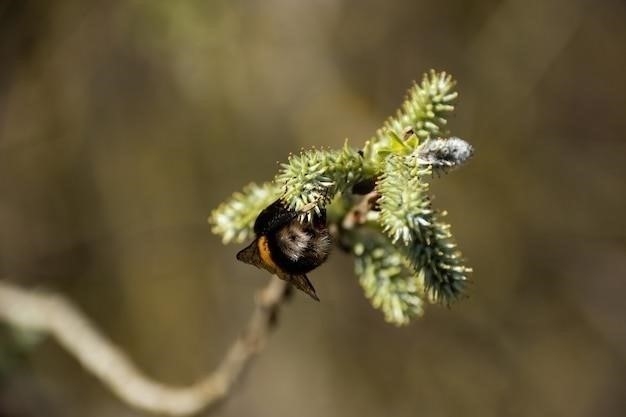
pixel 311 248
pixel 296 247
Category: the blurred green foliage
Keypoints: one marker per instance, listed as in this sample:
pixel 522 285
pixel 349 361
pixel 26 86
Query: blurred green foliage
pixel 15 347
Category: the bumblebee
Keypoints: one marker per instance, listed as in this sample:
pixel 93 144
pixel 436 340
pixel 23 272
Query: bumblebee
pixel 287 247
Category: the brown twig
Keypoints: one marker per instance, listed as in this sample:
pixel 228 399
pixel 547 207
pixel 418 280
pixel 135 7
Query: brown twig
pixel 53 314
pixel 358 213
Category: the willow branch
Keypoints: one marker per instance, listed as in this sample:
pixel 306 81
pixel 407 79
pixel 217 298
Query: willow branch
pixel 357 215
pixel 55 315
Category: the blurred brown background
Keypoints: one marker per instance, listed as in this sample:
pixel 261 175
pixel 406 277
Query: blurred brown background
pixel 123 124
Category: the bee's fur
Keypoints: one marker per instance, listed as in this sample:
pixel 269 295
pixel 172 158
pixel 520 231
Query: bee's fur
pixel 293 240
pixel 287 247
pixel 298 247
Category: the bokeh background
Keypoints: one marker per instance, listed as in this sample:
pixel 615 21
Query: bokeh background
pixel 123 123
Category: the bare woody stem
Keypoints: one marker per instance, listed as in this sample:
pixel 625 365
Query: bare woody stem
pixel 358 213
pixel 55 315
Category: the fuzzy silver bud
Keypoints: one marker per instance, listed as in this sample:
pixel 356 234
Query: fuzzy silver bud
pixel 444 153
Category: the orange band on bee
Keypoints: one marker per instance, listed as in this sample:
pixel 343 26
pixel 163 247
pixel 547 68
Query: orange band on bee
pixel 265 254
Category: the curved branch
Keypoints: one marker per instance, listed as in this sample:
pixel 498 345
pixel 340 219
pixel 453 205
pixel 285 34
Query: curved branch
pixel 53 314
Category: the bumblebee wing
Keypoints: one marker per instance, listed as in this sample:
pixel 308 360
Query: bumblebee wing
pixel 250 255
pixel 302 283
